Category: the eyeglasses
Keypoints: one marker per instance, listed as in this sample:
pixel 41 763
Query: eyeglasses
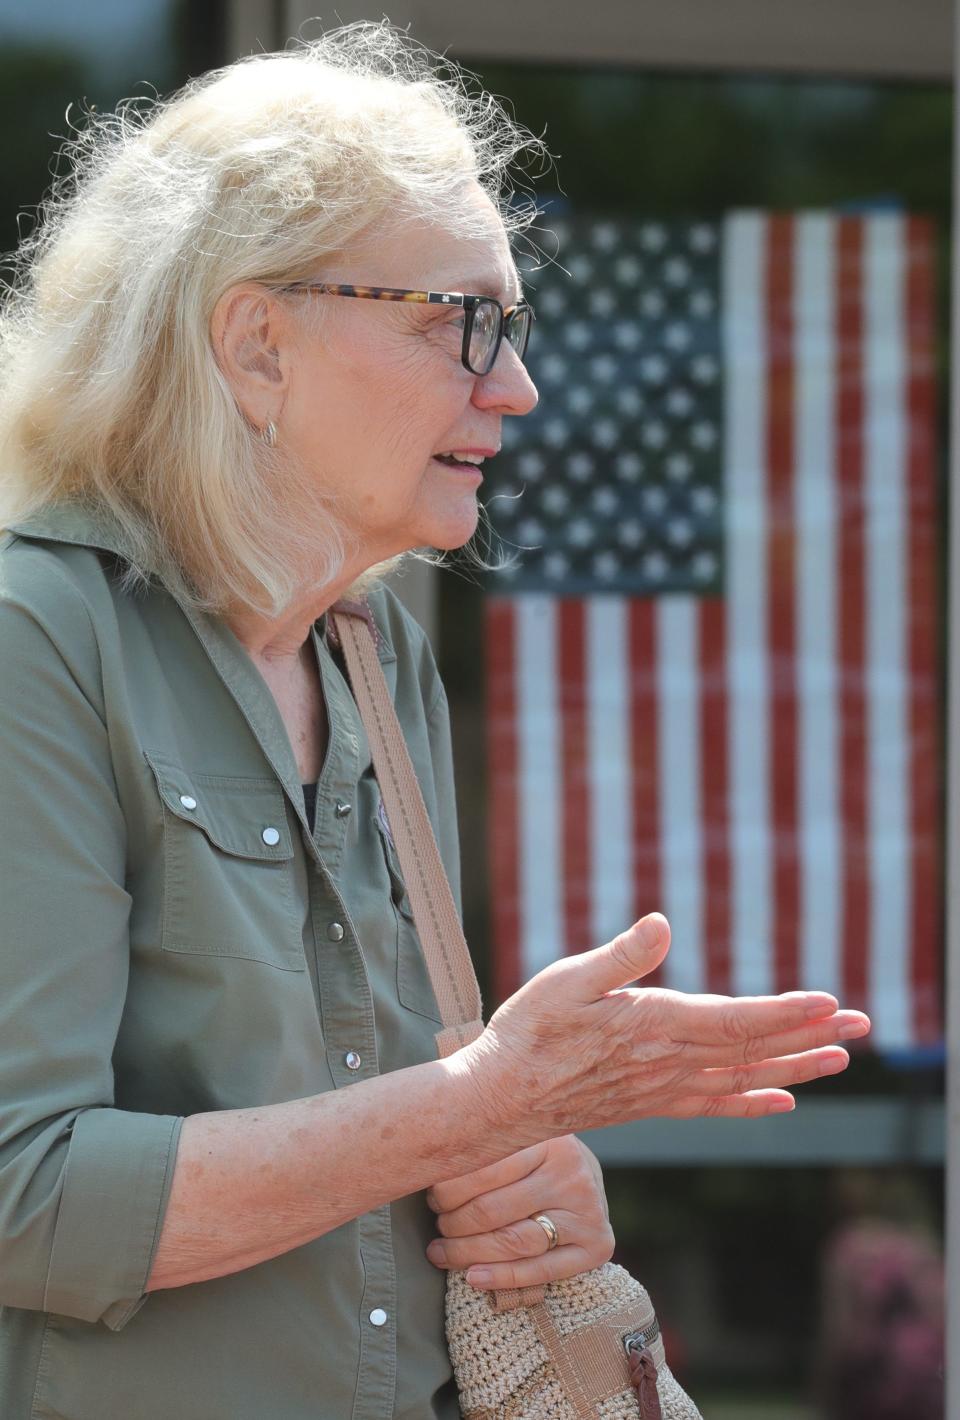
pixel 485 322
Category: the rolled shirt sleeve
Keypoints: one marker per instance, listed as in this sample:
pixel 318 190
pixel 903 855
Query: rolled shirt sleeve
pixel 83 1184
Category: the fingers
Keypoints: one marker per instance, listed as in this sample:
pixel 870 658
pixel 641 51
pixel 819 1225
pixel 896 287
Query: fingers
pixel 563 1174
pixel 631 955
pixel 533 1271
pixel 727 1020
pixel 500 1227
pixel 771 1074
pixel 456 1192
pixel 516 1240
pixel 520 1255
pixel 752 1105
pixel 843 1025
pixel 494 1210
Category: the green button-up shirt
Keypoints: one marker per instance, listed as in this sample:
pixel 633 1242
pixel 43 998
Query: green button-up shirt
pixel 175 939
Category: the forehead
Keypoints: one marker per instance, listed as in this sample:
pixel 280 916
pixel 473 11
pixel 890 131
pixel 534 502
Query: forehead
pixel 436 255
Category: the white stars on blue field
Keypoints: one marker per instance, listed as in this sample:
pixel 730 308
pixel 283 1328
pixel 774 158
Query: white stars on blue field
pixel 619 465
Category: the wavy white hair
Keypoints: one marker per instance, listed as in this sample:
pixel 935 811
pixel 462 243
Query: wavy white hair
pixel 109 389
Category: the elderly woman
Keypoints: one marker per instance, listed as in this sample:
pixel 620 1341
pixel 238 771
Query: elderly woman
pixel 227 1147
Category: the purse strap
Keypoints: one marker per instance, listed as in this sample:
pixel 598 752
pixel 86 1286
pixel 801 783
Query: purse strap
pixel 434 910
pixel 435 913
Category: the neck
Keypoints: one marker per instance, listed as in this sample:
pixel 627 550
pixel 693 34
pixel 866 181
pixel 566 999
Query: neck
pixel 281 639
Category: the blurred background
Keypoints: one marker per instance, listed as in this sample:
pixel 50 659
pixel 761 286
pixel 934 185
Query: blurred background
pixel 711 681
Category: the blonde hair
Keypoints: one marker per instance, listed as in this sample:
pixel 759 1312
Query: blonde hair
pixel 109 389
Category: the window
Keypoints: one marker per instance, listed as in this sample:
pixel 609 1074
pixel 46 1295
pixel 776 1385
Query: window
pixel 713 681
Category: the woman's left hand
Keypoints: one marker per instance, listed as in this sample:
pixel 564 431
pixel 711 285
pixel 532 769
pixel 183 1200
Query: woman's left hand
pixel 486 1218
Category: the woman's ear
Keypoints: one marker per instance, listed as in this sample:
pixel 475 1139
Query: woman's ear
pixel 249 332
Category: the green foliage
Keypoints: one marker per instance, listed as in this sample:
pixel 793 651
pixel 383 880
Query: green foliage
pixel 36 87
pixel 672 145
pixel 45 90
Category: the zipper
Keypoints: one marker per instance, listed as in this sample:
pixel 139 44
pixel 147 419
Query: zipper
pixel 643 1369
pixel 640 1340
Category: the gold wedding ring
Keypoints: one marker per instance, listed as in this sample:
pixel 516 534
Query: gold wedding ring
pixel 549 1227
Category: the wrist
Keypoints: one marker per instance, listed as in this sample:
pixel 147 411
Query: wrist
pixel 496 1106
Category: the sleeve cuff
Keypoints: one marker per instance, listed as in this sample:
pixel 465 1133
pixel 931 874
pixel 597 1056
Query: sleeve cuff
pixel 117 1180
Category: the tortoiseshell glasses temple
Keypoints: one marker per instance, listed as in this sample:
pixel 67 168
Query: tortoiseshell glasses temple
pixel 486 321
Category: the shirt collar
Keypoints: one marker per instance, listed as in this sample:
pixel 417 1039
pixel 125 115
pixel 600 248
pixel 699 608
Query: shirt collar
pixel 82 524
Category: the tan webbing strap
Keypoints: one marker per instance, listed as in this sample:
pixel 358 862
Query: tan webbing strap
pixel 434 910
pixel 445 948
pixel 592 1362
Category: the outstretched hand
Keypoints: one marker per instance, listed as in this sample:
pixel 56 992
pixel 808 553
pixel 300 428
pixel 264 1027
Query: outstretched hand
pixel 579 1046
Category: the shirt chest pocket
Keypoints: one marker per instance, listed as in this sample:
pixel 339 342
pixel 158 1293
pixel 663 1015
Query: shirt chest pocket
pixel 413 979
pixel 228 868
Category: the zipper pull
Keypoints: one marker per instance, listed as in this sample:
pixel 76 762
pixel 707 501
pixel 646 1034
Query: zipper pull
pixel 643 1375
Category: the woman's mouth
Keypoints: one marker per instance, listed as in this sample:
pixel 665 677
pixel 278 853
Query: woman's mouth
pixel 462 460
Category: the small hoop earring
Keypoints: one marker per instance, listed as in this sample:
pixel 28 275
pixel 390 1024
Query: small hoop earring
pixel 269 434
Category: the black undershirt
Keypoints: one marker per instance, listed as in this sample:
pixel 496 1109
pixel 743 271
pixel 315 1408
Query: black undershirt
pixel 310 801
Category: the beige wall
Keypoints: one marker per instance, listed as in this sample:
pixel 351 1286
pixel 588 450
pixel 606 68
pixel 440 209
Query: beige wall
pixel 909 38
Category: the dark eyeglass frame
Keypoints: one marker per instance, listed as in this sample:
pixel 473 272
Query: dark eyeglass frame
pixel 519 317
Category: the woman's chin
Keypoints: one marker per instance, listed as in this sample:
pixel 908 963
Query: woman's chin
pixel 452 532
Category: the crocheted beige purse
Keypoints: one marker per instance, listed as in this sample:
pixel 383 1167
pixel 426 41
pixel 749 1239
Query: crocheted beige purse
pixel 574 1350
pixel 590 1347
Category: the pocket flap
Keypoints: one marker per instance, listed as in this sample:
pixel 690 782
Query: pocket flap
pixel 398 887
pixel 244 817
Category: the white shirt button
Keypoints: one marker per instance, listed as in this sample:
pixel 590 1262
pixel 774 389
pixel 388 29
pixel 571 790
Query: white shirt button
pixel 335 931
pixel 271 837
pixel 378 1317
pixel 352 1060
pixel 188 801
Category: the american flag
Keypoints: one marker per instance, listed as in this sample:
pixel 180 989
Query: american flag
pixel 713 682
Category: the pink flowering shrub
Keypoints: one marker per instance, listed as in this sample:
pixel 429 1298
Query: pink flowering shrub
pixel 881 1354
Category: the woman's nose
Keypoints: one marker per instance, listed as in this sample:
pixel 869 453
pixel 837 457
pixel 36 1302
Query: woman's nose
pixel 508 387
